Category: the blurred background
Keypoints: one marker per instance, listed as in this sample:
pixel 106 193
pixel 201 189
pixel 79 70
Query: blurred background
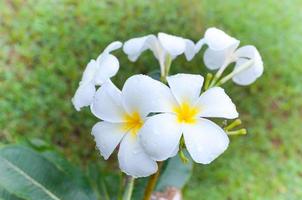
pixel 45 46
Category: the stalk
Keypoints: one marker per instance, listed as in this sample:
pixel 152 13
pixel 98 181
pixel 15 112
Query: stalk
pixel 232 125
pixel 152 182
pixel 244 66
pixel 208 80
pixel 129 188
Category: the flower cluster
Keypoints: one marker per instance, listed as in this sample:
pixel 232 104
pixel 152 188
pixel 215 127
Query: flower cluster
pixel 151 120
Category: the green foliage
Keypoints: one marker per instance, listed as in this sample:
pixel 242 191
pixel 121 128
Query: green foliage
pixel 26 174
pixel 45 46
pixel 175 174
pixel 108 183
pixel 6 195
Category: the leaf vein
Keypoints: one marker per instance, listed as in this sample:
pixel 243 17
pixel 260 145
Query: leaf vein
pixel 20 171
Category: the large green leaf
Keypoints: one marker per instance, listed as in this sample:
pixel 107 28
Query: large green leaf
pixel 108 182
pixel 139 188
pixel 175 174
pixel 46 150
pixel 6 195
pixel 29 175
pixel 155 74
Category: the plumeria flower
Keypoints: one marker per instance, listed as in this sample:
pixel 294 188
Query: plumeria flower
pixel 165 48
pixel 96 73
pixel 249 65
pixel 185 113
pixel 222 50
pixel 123 114
pixel 219 45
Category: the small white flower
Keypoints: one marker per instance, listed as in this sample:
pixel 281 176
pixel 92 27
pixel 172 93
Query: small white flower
pixel 164 47
pixel 184 112
pixel 96 73
pixel 124 113
pixel 222 51
pixel 249 74
pixel 220 47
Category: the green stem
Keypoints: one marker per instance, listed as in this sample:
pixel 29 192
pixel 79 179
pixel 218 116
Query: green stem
pixel 232 125
pixel 242 131
pixel 105 192
pixel 208 80
pixel 165 68
pixel 129 188
pixel 168 63
pixel 218 74
pixel 121 186
pixel 244 66
pixel 152 182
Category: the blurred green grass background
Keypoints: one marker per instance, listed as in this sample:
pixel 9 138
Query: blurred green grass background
pixel 45 46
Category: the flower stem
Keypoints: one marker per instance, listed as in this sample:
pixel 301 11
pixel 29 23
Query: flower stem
pixel 242 131
pixel 129 188
pixel 232 125
pixel 168 62
pixel 218 74
pixel 243 67
pixel 208 80
pixel 152 182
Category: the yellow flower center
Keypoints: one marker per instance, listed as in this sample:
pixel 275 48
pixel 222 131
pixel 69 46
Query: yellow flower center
pixel 133 123
pixel 186 113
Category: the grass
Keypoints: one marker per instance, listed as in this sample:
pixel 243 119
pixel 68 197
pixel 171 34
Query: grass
pixel 45 47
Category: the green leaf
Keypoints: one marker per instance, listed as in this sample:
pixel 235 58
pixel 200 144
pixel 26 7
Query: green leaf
pixel 29 175
pixel 6 195
pixel 109 183
pixel 71 170
pixel 139 188
pixel 155 74
pixel 37 144
pixel 174 174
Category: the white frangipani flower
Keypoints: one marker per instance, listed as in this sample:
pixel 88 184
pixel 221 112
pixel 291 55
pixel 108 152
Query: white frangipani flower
pixel 222 51
pixel 185 112
pixel 246 76
pixel 165 48
pixel 96 73
pixel 219 47
pixel 124 113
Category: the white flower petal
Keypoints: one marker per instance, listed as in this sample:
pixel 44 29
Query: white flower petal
pixel 189 50
pixel 185 87
pixel 84 95
pixel 107 103
pixel 219 40
pixel 153 44
pixel 205 141
pixel 172 44
pixel 160 136
pixel 216 103
pixel 143 94
pixel 250 74
pixel 135 46
pixel 247 51
pixel 175 152
pixel 214 59
pixel 113 46
pixel 108 66
pixel 199 45
pixel 133 160
pixel 88 74
pixel 107 136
